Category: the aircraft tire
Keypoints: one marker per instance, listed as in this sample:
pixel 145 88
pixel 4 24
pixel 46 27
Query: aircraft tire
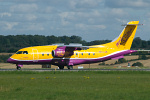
pixel 61 67
pixel 70 67
pixel 18 68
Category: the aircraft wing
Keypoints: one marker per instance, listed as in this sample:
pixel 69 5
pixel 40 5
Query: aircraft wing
pixel 74 45
pixel 78 47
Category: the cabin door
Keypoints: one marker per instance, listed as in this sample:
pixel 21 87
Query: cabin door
pixel 35 54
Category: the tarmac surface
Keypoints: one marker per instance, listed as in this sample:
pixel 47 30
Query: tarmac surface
pixel 42 70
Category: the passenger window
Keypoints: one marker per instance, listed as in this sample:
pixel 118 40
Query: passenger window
pixel 48 54
pixel 81 53
pixel 25 52
pixel 76 53
pixel 93 53
pixel 19 52
pixel 89 53
pixel 42 54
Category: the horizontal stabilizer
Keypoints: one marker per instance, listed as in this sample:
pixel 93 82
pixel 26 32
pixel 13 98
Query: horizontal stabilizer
pixel 142 50
pixel 131 24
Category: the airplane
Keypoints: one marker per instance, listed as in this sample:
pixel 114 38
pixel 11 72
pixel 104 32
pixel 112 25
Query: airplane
pixel 74 54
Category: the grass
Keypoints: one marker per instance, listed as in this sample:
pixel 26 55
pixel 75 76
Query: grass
pixel 82 85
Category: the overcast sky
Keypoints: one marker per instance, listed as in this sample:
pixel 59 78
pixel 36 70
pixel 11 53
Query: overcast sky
pixel 90 19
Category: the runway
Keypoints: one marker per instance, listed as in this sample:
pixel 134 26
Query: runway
pixel 42 70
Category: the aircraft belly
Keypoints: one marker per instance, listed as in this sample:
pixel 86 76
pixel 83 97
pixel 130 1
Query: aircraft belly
pixel 45 61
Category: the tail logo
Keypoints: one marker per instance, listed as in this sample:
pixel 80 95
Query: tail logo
pixel 122 40
pixel 118 43
pixel 126 37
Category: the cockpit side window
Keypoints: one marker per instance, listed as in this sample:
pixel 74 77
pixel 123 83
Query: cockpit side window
pixel 22 52
pixel 25 52
pixel 19 52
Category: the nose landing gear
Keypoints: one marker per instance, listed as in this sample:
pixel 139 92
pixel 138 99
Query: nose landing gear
pixel 19 66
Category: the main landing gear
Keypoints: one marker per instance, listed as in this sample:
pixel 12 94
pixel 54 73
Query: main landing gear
pixel 69 67
pixel 61 67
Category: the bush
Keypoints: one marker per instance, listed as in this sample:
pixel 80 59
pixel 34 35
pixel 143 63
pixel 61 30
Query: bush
pixel 142 57
pixel 122 60
pixel 116 62
pixel 3 58
pixel 138 64
pixel 103 63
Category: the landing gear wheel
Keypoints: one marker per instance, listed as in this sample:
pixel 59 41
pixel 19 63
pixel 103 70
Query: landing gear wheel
pixel 61 67
pixel 70 67
pixel 18 67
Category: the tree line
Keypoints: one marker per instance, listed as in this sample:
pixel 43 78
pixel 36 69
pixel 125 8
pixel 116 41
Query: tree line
pixel 12 43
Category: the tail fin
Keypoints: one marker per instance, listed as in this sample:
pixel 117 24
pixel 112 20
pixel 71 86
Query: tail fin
pixel 125 39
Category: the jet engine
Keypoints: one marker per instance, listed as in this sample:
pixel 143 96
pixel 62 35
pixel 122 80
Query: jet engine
pixel 63 52
pixel 58 53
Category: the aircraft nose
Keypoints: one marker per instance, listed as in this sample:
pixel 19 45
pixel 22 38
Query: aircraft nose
pixel 9 60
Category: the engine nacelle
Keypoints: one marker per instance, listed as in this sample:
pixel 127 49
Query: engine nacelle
pixel 58 53
pixel 63 52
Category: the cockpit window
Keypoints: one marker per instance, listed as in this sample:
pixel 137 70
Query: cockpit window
pixel 19 52
pixel 22 52
pixel 25 52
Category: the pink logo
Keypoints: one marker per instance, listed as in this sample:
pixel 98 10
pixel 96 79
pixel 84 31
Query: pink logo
pixel 126 37
pixel 118 43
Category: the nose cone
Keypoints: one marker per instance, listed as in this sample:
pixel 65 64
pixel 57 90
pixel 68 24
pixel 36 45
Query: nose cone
pixel 10 60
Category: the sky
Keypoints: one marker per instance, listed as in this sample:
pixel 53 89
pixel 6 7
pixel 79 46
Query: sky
pixel 89 19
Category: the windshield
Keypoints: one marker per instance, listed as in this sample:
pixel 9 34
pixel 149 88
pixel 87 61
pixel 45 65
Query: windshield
pixel 22 52
pixel 19 52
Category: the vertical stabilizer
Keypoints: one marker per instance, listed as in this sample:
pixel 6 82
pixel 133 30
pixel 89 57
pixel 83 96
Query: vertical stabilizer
pixel 125 39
